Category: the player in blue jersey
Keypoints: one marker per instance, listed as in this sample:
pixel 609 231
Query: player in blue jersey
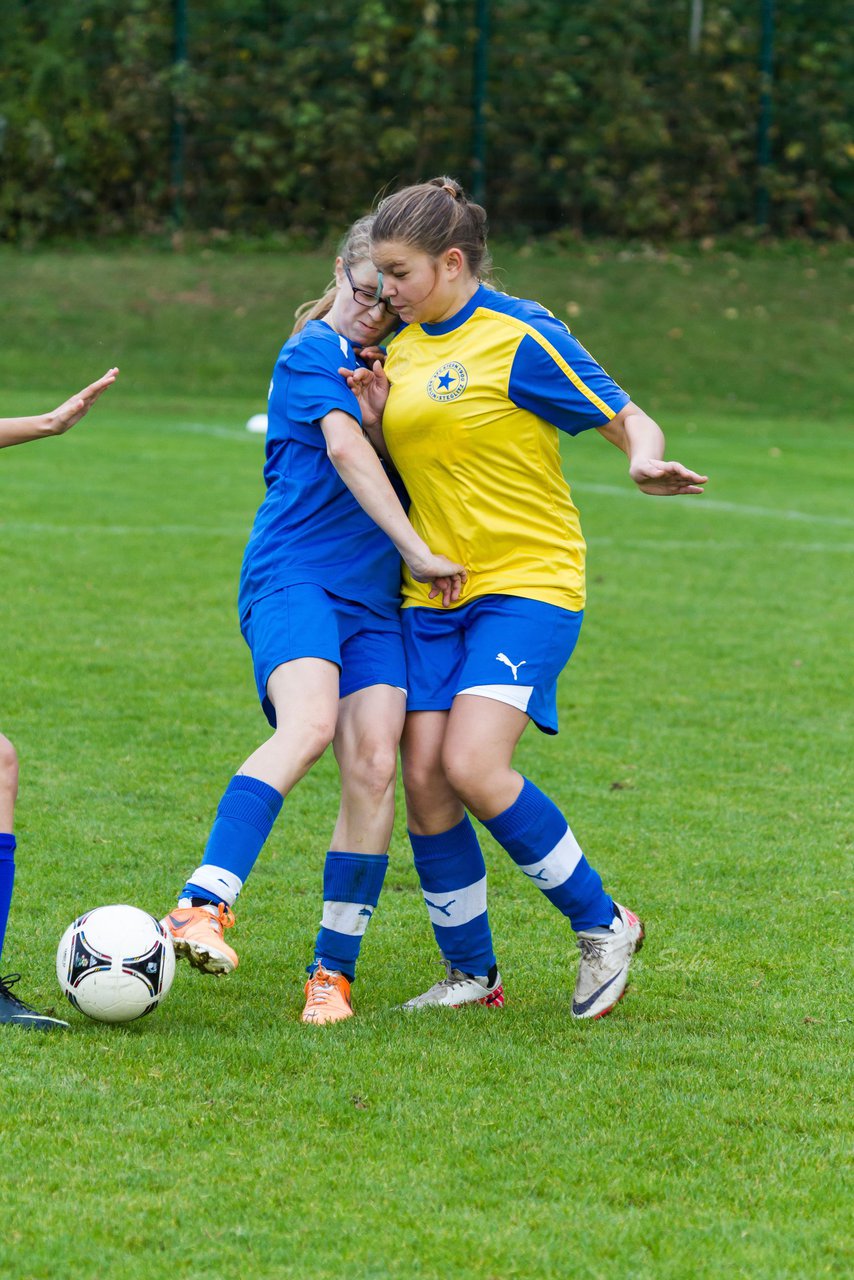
pixel 475 390
pixel 319 608
pixel 13 1010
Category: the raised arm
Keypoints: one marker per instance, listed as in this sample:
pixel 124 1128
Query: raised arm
pixel 371 387
pixel 372 413
pixel 58 421
pixel 353 457
pixel 642 440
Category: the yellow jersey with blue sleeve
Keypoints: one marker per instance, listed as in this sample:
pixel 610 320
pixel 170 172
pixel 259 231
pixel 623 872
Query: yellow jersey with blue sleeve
pixel 471 423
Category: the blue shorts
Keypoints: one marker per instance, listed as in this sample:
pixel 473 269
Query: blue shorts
pixel 307 622
pixel 501 647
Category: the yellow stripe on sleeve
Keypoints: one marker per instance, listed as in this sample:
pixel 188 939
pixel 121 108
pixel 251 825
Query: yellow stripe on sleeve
pixel 559 360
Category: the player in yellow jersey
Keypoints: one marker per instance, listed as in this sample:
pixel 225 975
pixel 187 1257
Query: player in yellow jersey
pixel 475 389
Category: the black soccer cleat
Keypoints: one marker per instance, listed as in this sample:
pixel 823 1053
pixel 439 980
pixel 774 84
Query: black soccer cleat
pixel 15 1012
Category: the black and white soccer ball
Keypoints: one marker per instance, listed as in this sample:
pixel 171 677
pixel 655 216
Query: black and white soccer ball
pixel 115 963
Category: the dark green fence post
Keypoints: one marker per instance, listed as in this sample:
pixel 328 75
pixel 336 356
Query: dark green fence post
pixel 481 58
pixel 766 84
pixel 179 63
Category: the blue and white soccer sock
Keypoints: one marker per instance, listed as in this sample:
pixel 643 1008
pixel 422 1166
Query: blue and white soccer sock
pixel 7 879
pixel 351 891
pixel 244 819
pixel 452 872
pixel 537 836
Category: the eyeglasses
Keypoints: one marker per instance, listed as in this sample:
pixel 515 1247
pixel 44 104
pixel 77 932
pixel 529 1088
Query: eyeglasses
pixel 365 298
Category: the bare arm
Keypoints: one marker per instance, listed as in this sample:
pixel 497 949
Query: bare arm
pixel 642 440
pixel 374 433
pixel 372 425
pixel 353 457
pixel 57 422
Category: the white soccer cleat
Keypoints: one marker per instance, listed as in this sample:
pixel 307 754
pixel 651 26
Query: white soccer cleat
pixel 604 966
pixel 458 988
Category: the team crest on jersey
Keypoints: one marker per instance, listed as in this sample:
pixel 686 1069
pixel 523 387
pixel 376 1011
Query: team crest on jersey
pixel 448 382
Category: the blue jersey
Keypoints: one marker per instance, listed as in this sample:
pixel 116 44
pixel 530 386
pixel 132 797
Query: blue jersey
pixel 310 528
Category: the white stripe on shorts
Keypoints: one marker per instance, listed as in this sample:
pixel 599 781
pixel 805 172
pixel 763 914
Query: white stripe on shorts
pixel 459 906
pixel 556 867
pixel 347 917
pixel 225 884
pixel 515 695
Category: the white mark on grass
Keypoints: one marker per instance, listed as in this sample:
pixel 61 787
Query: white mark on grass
pixel 702 503
pixel 219 433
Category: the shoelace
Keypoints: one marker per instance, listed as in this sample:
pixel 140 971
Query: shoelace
pixel 224 918
pixel 591 949
pixel 322 987
pixel 7 982
pixel 453 978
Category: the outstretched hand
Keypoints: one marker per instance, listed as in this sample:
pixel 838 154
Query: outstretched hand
pixel 665 479
pixel 69 413
pixel 370 386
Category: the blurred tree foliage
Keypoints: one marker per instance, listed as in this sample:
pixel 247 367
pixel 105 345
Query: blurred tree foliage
pixel 296 113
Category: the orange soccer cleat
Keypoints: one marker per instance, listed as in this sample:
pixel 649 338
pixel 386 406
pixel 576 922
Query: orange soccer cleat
pixel 327 997
pixel 196 934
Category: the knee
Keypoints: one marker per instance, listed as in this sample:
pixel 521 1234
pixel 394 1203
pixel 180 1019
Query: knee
pixel 375 766
pixel 8 766
pixel 421 779
pixel 431 803
pixel 380 762
pixel 318 737
pixel 465 772
pixel 313 739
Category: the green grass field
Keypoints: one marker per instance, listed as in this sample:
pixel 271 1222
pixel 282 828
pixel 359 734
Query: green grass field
pixel 703 1129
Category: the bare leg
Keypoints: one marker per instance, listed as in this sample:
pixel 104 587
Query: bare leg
pixel 432 805
pixel 366 739
pixel 305 695
pixel 477 757
pixel 477 753
pixel 8 784
pixel 13 1010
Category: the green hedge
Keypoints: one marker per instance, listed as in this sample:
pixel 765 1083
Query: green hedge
pixel 598 117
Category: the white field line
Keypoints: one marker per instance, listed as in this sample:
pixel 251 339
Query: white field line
pixel 608 490
pixel 702 503
pixel 219 433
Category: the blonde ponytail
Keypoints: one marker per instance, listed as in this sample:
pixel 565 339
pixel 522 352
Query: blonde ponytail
pixel 355 247
pixel 316 309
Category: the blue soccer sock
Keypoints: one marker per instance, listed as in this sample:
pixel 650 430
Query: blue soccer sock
pixel 351 891
pixel 244 819
pixel 452 872
pixel 537 836
pixel 7 879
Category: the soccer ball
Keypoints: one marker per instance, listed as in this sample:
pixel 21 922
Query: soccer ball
pixel 115 963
